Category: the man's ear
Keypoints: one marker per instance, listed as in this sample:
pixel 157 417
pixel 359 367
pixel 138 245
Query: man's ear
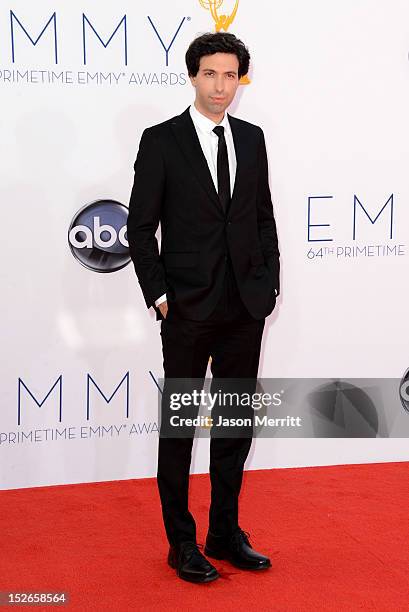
pixel 193 80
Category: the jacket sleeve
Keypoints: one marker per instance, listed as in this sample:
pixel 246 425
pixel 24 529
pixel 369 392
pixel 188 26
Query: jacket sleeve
pixel 265 215
pixel 144 216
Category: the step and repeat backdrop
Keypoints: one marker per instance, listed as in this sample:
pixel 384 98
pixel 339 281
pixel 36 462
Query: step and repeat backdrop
pixel 81 354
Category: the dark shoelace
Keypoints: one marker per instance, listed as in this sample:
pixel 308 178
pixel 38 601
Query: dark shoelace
pixel 191 549
pixel 241 535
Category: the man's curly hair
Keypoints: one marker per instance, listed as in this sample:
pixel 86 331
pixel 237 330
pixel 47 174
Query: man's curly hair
pixel 218 42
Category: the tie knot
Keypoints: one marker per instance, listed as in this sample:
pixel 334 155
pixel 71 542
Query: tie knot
pixel 219 130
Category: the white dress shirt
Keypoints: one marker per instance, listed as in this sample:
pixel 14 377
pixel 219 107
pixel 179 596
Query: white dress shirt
pixel 209 142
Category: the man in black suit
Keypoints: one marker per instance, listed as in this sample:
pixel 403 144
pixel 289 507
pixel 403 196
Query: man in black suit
pixel 203 176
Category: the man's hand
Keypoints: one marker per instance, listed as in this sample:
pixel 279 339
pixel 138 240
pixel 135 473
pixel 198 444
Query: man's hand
pixel 163 309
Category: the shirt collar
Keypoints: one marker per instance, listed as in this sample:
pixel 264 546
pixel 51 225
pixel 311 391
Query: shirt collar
pixel 205 124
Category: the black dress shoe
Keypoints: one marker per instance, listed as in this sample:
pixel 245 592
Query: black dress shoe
pixel 236 549
pixel 190 564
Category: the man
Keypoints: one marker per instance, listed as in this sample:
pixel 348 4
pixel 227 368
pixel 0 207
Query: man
pixel 203 176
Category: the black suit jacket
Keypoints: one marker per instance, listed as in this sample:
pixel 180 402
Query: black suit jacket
pixel 173 186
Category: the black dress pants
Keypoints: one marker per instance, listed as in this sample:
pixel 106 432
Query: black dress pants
pixel 232 338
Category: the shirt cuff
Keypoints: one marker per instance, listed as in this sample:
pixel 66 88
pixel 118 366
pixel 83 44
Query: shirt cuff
pixel 161 299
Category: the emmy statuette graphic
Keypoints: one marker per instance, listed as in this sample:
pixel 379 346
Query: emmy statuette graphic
pixel 222 22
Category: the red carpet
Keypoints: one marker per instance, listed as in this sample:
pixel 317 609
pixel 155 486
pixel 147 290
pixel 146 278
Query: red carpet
pixel 337 537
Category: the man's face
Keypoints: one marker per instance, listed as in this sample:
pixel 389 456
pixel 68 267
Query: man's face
pixel 216 83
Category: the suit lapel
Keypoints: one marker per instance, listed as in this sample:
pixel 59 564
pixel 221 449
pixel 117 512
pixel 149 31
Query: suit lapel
pixel 188 140
pixel 241 156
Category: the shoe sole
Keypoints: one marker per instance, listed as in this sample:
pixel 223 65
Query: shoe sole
pixel 221 557
pixel 204 581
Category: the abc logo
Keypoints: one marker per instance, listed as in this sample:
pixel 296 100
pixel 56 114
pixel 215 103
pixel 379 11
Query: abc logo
pixel 97 236
pixel 404 391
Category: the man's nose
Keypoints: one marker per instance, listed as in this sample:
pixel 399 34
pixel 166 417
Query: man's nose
pixel 219 84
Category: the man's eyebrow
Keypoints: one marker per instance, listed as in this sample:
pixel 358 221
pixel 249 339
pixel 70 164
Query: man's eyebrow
pixel 226 72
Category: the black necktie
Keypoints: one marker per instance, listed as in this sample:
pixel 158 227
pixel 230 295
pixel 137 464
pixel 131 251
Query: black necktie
pixel 223 173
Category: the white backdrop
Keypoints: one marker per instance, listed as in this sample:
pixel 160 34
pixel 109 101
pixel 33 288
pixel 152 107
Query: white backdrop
pixel 330 87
